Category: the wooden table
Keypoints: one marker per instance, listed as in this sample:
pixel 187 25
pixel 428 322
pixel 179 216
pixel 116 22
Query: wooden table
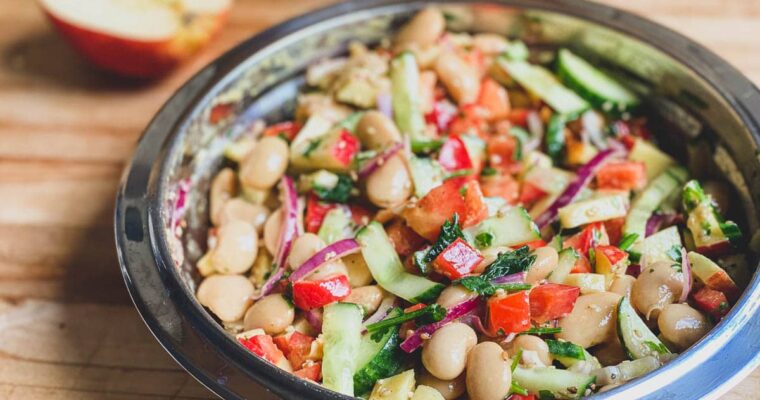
pixel 67 326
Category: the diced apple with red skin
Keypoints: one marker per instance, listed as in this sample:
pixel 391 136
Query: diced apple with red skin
pixel 713 276
pixel 143 39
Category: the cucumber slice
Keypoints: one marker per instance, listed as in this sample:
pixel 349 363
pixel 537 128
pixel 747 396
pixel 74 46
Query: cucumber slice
pixel 593 84
pixel 508 228
pixel 655 161
pixel 405 92
pixel 426 174
pixel 550 180
pixel 396 387
pixel 637 340
pixel 543 84
pixel 655 248
pixel 336 226
pixel 648 200
pixel 562 384
pixel 594 210
pixel 341 329
pixel 567 258
pixel 555 138
pixel 387 270
pixel 707 226
pixel 377 360
pixel 625 371
pixel 591 362
pixel 566 349
pixel 589 283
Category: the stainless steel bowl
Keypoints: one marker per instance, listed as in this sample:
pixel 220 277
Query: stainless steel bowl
pixel 161 215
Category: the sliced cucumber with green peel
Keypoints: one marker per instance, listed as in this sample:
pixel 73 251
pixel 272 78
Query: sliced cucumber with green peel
pixel 567 258
pixel 539 81
pixel 654 159
pixel 655 248
pixel 405 95
pixel 594 210
pixel 341 330
pixel 563 384
pixel 336 226
pixel 426 174
pixel 637 340
pixel 555 138
pixel 593 84
pixel 386 267
pixel 590 361
pixel 508 228
pixel 646 202
pixel 377 359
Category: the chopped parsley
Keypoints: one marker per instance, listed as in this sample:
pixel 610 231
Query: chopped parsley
pixel 506 264
pixel 450 231
pixel 483 239
pixel 313 145
pixel 674 253
pixel 338 193
pixel 541 331
pixel 488 171
pixel 423 316
pixel 628 240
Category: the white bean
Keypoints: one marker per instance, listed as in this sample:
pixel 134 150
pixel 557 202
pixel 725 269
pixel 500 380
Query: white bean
pixel 227 296
pixel 223 188
pixel 391 184
pixel 592 320
pixel 271 313
pixel 444 355
pixel 266 164
pixel 682 325
pixel 546 261
pixel 489 376
pixel 236 248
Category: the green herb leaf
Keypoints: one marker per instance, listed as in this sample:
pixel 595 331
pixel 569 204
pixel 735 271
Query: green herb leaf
pixel 339 193
pixel 545 395
pixel 426 315
pixel 628 240
pixel 483 239
pixel 488 171
pixel 517 389
pixel 516 361
pixel 674 253
pixel 313 145
pixel 450 231
pixel 541 331
pixel 506 263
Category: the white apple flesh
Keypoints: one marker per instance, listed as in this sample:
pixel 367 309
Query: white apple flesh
pixel 139 38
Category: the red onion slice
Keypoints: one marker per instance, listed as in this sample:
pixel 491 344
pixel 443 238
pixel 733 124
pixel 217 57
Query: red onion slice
pixel 477 323
pixel 660 221
pixel 512 278
pixel 314 318
pixel 287 234
pixel 583 177
pixel 415 340
pixel 382 311
pixel 379 160
pixel 686 271
pixel 331 252
pixel 385 104
pixel 536 129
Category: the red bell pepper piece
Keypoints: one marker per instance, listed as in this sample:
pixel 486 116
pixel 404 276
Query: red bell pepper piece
pixel 501 150
pixel 614 229
pixel 504 186
pixel 296 346
pixel 712 302
pixel 360 215
pixel 414 308
pixel 624 175
pixel 519 116
pixel 311 372
pixel 345 147
pixel 494 99
pixel 551 301
pixel 264 347
pixel 405 241
pixel 530 193
pixel 477 210
pixel 591 236
pixel 532 245
pixel 308 295
pixel 613 254
pixel 457 260
pixel 442 115
pixel 582 266
pixel 510 314
pixel 438 206
pixel 453 155
pixel 220 112
pixel 315 213
pixel 287 129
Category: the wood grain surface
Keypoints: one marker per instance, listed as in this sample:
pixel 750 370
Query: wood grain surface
pixel 67 327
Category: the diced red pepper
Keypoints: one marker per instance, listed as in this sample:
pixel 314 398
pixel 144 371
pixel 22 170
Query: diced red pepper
pixel 312 372
pixel 624 175
pixel 530 193
pixel 414 308
pixel 551 301
pixel 405 240
pixel 453 155
pixel 360 215
pixel 614 228
pixel 504 186
pixel 510 314
pixel 532 245
pixel 477 210
pixel 582 266
pixel 516 396
pixel 493 98
pixel 287 129
pixel 264 347
pixel 220 112
pixel 315 213
pixel 591 236
pixel 628 141
pixel 457 260
pixel 442 115
pixel 519 116
pixel 308 295
pixel 438 206
pixel 501 150
pixel 712 302
pixel 296 346
pixel 345 148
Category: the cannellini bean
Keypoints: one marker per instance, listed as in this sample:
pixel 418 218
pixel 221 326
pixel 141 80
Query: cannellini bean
pixel 303 248
pixel 271 313
pixel 622 285
pixel 376 131
pixel 592 320
pixel 236 248
pixel 266 164
pixel 657 285
pixel 462 81
pixel 272 231
pixel 450 389
pixel 223 188
pixel 444 355
pixel 454 295
pixel 422 30
pixel 390 185
pixel 546 261
pixel 358 271
pixel 227 296
pixel 239 209
pixel 534 344
pixel 489 376
pixel 369 297
pixel 682 325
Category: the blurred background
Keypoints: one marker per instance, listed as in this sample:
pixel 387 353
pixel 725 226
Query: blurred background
pixel 67 327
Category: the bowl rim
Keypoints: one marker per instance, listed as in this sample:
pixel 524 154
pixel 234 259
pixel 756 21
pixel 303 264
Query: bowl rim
pixel 137 214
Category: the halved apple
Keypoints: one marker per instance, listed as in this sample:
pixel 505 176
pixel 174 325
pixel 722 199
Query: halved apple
pixel 139 38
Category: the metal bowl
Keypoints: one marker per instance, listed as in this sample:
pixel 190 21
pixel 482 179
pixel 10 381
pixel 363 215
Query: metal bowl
pixel 161 215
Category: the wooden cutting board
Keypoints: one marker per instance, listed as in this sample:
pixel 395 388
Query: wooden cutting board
pixel 67 327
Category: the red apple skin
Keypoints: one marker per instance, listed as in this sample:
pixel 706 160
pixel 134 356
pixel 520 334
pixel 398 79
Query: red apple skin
pixel 135 58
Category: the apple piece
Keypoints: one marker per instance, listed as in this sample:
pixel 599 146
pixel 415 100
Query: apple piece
pixel 610 261
pixel 137 38
pixel 713 276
